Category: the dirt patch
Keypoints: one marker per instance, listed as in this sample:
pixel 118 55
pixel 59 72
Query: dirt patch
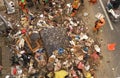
pixel 52 39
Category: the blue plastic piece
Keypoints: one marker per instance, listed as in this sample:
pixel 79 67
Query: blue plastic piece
pixel 60 50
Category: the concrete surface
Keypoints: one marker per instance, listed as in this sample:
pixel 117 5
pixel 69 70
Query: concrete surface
pixel 5 57
pixel 110 65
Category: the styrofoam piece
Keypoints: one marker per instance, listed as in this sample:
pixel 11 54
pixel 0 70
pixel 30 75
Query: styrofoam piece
pixel 97 48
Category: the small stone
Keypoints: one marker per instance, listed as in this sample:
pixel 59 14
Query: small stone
pixel 113 69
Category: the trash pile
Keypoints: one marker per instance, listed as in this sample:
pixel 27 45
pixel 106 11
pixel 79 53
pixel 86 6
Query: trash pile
pixel 53 44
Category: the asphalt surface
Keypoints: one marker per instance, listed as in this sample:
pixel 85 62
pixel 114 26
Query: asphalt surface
pixel 110 64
